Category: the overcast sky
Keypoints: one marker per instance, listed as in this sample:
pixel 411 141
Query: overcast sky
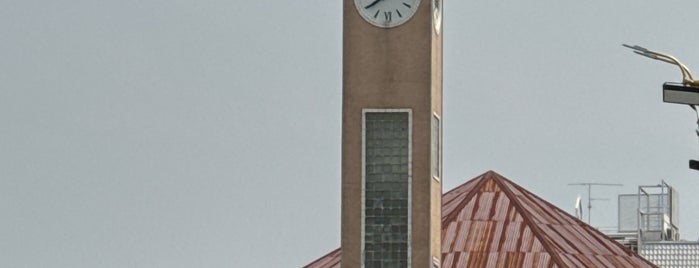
pixel 207 133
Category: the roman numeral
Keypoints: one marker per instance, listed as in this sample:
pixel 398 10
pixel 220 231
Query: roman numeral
pixel 387 15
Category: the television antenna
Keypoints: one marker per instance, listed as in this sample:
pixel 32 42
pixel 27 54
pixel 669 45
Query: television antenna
pixel 589 194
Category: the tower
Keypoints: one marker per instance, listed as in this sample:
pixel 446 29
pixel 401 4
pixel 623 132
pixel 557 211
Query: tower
pixel 391 133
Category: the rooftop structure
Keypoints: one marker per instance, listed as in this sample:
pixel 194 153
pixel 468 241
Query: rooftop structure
pixel 491 221
pixel 649 225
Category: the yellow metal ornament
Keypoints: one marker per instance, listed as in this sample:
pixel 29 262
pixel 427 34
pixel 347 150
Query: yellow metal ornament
pixel 687 78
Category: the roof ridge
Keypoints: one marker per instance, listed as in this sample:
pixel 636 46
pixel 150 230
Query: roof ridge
pixel 598 234
pixel 469 195
pixel 324 256
pixel 527 217
pixel 464 183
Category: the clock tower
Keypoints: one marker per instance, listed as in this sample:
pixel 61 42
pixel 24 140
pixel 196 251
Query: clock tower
pixel 391 133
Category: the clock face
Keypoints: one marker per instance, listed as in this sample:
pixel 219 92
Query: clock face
pixel 387 13
pixel 437 14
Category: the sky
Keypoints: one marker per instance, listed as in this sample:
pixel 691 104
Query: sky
pixel 182 134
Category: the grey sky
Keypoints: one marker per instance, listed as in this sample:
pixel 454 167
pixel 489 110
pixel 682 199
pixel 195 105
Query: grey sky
pixel 207 134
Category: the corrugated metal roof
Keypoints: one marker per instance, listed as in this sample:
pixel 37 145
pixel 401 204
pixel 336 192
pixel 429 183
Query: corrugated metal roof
pixel 495 222
pixel 492 222
pixel 330 260
pixel 672 254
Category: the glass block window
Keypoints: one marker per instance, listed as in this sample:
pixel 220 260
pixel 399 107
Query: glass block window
pixel 435 147
pixel 386 189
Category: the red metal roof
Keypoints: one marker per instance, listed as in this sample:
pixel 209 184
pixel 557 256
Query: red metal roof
pixel 490 221
pixel 330 260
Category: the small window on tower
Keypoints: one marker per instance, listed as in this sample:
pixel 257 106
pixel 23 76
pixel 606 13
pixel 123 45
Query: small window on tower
pixel 435 262
pixel 435 148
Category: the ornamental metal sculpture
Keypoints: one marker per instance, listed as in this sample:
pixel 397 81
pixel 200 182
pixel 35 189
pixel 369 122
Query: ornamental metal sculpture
pixel 685 93
pixel 687 78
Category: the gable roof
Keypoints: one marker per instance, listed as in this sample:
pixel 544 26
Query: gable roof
pixel 330 260
pixel 491 221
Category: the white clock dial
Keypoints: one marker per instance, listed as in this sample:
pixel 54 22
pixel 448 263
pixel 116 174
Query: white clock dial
pixel 387 13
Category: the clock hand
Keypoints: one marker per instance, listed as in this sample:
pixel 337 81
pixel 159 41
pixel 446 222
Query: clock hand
pixel 372 4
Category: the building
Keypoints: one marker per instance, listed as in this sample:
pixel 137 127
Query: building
pixel 491 221
pixel 393 211
pixel 391 133
pixel 649 225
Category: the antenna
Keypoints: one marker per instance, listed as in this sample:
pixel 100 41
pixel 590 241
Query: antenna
pixel 589 194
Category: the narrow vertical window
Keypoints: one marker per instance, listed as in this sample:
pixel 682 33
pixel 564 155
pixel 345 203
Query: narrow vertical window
pixel 436 154
pixel 386 188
